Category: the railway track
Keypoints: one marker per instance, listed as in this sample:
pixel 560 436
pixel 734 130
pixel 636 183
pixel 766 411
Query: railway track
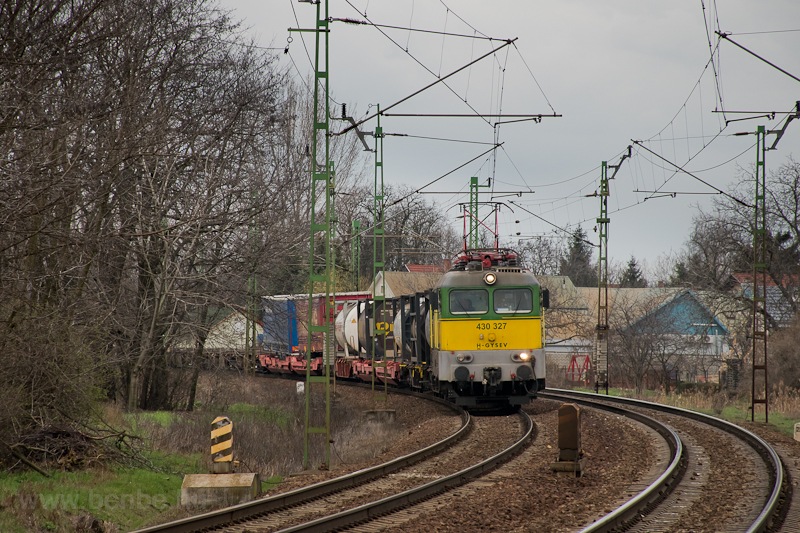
pixel 684 490
pixel 677 492
pixel 412 477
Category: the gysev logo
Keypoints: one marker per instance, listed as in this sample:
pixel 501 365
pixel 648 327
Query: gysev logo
pixel 485 345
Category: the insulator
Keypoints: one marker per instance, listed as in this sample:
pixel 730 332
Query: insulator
pixel 344 111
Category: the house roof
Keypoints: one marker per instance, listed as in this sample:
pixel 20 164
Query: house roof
pixel 780 308
pixel 426 268
pixel 399 283
pixel 747 279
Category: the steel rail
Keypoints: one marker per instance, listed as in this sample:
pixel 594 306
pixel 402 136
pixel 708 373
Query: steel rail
pixel 373 510
pixel 244 511
pixel 654 492
pixel 767 453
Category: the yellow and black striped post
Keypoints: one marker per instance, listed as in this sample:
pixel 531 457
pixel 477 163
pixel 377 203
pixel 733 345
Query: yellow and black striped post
pixel 221 445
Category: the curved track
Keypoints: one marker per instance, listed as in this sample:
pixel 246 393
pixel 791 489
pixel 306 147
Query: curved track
pixel 381 509
pixel 261 507
pixel 661 508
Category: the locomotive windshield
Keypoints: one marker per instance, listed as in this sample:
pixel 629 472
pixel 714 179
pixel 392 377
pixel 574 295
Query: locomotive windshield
pixel 512 301
pixel 469 301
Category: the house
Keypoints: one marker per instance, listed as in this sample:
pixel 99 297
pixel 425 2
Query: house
pixel 781 300
pixel 226 342
pixel 687 335
pixel 568 326
pixel 694 323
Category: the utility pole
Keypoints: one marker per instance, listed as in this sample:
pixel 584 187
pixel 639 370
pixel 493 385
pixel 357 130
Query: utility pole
pixel 760 279
pixel 253 300
pixel 380 328
pixel 760 257
pixel 355 247
pixel 473 208
pixel 600 363
pixel 322 227
pixel 600 354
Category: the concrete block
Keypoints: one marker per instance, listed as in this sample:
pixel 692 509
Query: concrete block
pixel 797 431
pixel 208 491
pixel 569 468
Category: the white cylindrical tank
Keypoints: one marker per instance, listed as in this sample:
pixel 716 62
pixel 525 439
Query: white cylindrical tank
pixel 346 327
pixel 397 329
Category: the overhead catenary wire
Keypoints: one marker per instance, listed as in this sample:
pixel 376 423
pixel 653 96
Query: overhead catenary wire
pixel 417 60
pixel 726 36
pixel 438 80
pixel 554 225
pixel 737 200
pixel 409 29
pixel 443 176
pixel 712 49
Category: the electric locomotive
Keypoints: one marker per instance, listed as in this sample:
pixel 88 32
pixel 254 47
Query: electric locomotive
pixel 486 331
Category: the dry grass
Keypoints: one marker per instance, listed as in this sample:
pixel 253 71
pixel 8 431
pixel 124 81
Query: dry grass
pixel 785 400
pixel 268 419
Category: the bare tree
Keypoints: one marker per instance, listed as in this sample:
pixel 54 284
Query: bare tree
pixel 721 243
pixel 542 255
pixel 417 231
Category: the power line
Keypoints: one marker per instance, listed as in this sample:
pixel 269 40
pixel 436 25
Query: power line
pixel 439 80
pixel 692 175
pixel 444 175
pixel 448 34
pixel 760 32
pixel 557 227
pixel 726 37
pixel 414 58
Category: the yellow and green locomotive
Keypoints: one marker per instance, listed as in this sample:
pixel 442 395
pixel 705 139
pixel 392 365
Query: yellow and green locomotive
pixel 477 338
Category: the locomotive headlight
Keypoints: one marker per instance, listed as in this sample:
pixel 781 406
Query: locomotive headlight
pixel 490 278
pixel 464 358
pixel 522 357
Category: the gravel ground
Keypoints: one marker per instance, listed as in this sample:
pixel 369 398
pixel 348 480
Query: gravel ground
pixel 534 498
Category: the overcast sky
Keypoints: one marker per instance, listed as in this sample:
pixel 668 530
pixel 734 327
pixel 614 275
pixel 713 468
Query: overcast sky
pixel 615 70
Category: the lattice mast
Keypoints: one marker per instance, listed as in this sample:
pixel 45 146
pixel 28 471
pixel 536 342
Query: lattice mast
pixel 600 355
pixel 472 236
pixel 321 272
pixel 355 248
pixel 600 362
pixel 760 279
pixel 380 328
pixel 253 300
pixel 760 254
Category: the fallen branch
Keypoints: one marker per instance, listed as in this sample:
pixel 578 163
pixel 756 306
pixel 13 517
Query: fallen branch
pixel 22 458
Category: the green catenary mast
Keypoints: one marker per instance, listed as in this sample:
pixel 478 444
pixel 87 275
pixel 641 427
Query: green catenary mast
pixel 600 355
pixel 380 329
pixel 322 188
pixel 760 279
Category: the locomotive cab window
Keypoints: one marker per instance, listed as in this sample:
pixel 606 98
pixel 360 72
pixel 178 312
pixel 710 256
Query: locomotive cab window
pixel 509 301
pixel 469 301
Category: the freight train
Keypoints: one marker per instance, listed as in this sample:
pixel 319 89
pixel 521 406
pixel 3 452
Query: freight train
pixel 476 338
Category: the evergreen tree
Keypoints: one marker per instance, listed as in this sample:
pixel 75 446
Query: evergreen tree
pixel 577 265
pixel 680 276
pixel 632 277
